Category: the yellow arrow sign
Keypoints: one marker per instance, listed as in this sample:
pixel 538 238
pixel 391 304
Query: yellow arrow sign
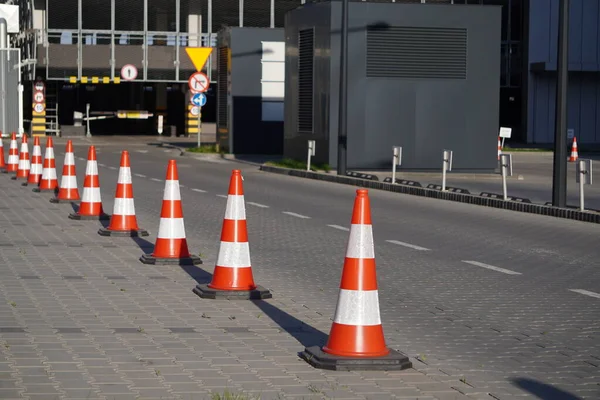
pixel 198 55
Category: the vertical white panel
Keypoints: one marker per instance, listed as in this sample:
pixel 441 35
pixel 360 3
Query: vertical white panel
pixel 272 80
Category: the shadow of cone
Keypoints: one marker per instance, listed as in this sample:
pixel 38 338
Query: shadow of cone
pixel 232 278
pixel 48 182
pixel 171 244
pixel 68 191
pixel 123 222
pixel 356 340
pixel 91 200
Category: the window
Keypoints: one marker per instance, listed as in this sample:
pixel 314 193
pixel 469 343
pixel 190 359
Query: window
pixel 162 15
pixel 129 15
pixel 63 14
pixel 257 13
pixel 96 14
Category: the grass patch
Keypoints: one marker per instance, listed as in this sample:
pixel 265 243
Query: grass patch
pixel 206 149
pixel 227 395
pixel 296 164
pixel 527 150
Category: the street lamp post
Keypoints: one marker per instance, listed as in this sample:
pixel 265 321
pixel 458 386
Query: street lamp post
pixel 559 178
pixel 343 98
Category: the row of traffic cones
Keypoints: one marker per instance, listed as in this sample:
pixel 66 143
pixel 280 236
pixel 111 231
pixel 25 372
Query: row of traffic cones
pixel 356 339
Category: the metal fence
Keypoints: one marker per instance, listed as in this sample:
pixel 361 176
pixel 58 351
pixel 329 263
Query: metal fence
pixel 11 111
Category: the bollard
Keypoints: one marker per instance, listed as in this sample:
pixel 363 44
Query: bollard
pixel 311 152
pixel 396 161
pixel 446 166
pixel 583 176
pixel 506 165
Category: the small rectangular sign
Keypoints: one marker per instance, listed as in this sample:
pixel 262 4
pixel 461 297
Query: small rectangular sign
pixel 505 132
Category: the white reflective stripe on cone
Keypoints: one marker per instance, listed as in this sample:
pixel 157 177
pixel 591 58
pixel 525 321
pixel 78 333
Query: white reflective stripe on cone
pixel 36 169
pixel 171 191
pixel 234 255
pixel 124 207
pixel 91 195
pixel 49 153
pixel 49 174
pixel 13 145
pixel 68 182
pixel 24 148
pixel 360 244
pixel 357 307
pixel 124 175
pixel 13 159
pixel 24 164
pixel 235 207
pixel 37 151
pixel 171 228
pixel 69 159
pixel 91 168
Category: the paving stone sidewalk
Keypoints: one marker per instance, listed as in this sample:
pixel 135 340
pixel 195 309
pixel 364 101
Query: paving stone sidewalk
pixel 82 318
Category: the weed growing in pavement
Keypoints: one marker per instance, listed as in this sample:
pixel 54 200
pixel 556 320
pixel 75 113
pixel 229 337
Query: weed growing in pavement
pixel 227 395
pixel 206 149
pixel 296 164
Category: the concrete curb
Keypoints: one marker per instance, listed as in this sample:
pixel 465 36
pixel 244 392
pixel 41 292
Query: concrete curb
pixel 529 208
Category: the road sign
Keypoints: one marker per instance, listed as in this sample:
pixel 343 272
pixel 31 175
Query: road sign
pixel 129 72
pixel 195 111
pixel 505 132
pixel 38 97
pixel 39 86
pixel 198 99
pixel 198 56
pixel 198 82
pixel 39 107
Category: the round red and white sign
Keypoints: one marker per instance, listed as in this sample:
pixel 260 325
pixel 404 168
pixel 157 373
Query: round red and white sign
pixel 39 86
pixel 198 82
pixel 38 97
pixel 195 111
pixel 39 107
pixel 129 72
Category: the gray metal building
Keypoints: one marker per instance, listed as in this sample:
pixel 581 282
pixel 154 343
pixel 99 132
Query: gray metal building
pixel 425 77
pixel 584 66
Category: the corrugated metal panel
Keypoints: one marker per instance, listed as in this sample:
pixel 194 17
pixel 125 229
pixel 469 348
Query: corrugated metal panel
pixel 416 52
pixel 222 86
pixel 306 50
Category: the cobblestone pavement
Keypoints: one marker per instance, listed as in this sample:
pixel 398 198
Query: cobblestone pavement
pixel 83 318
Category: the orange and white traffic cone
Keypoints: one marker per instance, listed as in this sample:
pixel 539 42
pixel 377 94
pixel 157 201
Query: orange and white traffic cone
pixel 574 152
pixel 2 161
pixel 499 148
pixel 13 155
pixel 356 340
pixel 24 163
pixel 171 244
pixel 123 221
pixel 232 277
pixel 90 207
pixel 49 180
pixel 68 190
pixel 35 171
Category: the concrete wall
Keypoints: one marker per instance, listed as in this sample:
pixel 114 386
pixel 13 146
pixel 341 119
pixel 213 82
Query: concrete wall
pixel 248 132
pixel 422 115
pixel 584 65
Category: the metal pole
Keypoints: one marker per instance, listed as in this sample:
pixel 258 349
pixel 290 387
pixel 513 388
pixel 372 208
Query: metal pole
pixel 87 114
pixel 444 175
pixel 504 189
pixel 581 183
pixel 559 177
pixel 308 159
pixel 3 51
pixel 343 100
pixel 272 14
pixel 394 171
pixel 199 126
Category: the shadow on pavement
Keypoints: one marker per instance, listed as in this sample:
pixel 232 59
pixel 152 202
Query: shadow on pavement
pixel 544 391
pixel 302 332
pixel 198 274
pixel 144 245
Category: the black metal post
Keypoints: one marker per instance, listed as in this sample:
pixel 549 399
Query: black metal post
pixel 343 100
pixel 559 178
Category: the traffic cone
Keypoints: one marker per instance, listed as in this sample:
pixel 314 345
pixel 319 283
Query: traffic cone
pixel 13 155
pixel 574 152
pixel 356 340
pixel 90 207
pixel 232 277
pixel 35 172
pixel 499 148
pixel 24 163
pixel 171 244
pixel 48 181
pixel 2 161
pixel 68 191
pixel 123 221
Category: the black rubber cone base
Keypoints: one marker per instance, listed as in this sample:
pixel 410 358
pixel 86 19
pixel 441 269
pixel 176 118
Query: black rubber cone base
pixel 38 190
pixel 56 200
pixel 101 217
pixel 394 361
pixel 151 260
pixel 259 293
pixel 14 178
pixel 107 232
pixel 5 171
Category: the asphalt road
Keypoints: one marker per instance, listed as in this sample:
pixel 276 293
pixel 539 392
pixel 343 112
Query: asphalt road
pixel 490 300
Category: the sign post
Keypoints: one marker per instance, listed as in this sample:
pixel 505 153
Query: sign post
pixel 198 100
pixel 583 177
pixel 506 164
pixel 396 161
pixel 447 166
pixel 160 124
pixel 87 120
pixel 311 152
